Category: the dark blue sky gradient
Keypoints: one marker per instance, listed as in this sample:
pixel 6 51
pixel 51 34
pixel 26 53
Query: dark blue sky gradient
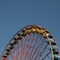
pixel 15 14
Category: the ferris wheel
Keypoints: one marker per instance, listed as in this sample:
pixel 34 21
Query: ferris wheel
pixel 32 42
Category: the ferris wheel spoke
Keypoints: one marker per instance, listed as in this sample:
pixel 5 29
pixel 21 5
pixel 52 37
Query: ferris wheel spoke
pixel 41 52
pixel 38 48
pixel 46 55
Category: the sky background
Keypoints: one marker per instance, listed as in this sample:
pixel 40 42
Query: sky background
pixel 16 14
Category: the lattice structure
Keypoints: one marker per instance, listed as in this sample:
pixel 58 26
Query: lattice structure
pixel 31 43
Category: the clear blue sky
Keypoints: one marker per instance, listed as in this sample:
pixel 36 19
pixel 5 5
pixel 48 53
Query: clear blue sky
pixel 15 14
